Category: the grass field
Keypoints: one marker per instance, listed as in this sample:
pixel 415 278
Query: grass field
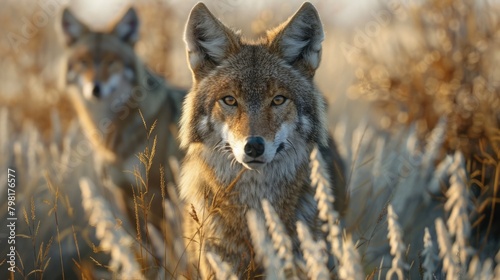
pixel 414 105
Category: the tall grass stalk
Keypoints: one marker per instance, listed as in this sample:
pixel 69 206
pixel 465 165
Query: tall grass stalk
pixel 114 239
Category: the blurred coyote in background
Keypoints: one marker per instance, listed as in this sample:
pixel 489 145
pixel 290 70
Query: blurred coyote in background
pixel 115 97
pixel 249 125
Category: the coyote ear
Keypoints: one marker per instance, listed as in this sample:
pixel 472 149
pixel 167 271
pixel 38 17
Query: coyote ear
pixel 72 27
pixel 207 40
pixel 298 40
pixel 127 29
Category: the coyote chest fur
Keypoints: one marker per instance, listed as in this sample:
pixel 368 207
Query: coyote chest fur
pixel 248 125
pixel 116 97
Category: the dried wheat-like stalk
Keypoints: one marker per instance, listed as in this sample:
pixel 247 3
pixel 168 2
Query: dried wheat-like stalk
pixel 450 265
pixel 350 265
pixel 314 253
pixel 65 161
pixel 158 246
pixel 222 269
pixel 55 119
pixel 430 257
pixel 113 239
pixel 264 250
pixel 324 196
pixel 340 135
pixel 458 204
pixel 357 140
pixel 440 175
pixel 173 234
pixel 433 146
pixel 362 137
pixel 33 142
pixel 398 248
pixel 281 241
pixel 478 271
pixel 378 158
pixel 497 267
pixel 169 244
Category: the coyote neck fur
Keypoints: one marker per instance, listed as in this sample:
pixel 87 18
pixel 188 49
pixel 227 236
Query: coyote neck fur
pixel 269 182
pixel 222 214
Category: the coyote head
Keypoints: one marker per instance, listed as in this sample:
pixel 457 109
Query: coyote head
pixel 101 64
pixel 254 100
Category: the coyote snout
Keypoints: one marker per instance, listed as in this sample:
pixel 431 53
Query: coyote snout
pixel 100 89
pixel 255 147
pixel 255 151
pixel 252 155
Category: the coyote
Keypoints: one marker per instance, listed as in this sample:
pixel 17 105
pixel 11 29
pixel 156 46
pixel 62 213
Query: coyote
pixel 116 96
pixel 248 125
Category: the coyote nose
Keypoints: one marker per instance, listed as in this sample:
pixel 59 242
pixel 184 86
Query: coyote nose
pixel 96 91
pixel 254 147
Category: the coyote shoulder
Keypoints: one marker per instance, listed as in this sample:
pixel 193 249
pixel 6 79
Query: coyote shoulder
pixel 249 124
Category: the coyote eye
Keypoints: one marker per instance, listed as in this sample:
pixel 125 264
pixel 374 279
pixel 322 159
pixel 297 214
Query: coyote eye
pixel 278 100
pixel 229 100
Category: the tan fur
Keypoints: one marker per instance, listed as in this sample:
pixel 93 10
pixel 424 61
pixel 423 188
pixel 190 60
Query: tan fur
pixel 112 120
pixel 219 181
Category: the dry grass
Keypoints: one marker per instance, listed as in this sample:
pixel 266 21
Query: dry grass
pixel 423 179
pixel 443 65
